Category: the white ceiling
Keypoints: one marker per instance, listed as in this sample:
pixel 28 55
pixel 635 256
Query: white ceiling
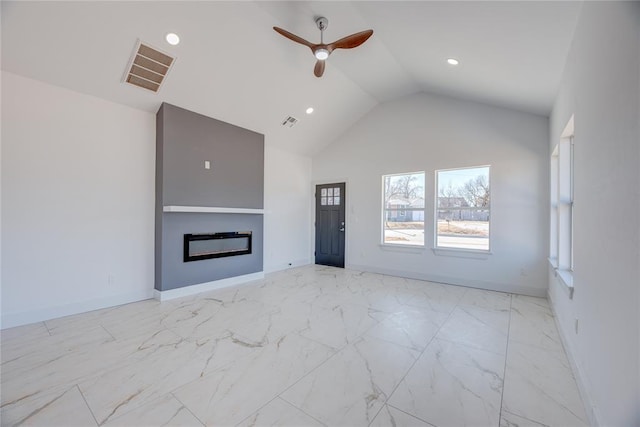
pixel 232 66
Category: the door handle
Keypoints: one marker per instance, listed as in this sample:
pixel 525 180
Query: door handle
pixel 342 229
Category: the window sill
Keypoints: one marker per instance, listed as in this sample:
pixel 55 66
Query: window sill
pixel 402 248
pixel 566 278
pixel 462 253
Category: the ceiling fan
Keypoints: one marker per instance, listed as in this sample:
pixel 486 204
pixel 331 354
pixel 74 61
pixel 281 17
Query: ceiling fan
pixel 322 51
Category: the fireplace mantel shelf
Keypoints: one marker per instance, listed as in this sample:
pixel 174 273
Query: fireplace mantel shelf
pixel 208 209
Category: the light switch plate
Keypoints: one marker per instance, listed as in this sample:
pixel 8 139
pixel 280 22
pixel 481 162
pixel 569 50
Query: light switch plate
pixel 207 164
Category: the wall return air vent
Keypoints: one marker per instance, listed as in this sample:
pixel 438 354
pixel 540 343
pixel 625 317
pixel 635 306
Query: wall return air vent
pixel 148 67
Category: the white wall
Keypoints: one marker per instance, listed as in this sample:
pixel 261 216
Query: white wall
pixel 429 132
pixel 78 199
pixel 601 86
pixel 77 202
pixel 287 217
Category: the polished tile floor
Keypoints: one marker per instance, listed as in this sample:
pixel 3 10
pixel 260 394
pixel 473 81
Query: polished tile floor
pixel 304 347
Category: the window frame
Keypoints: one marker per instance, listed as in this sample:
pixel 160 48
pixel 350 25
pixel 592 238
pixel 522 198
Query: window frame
pixel 444 249
pixel 562 209
pixel 403 210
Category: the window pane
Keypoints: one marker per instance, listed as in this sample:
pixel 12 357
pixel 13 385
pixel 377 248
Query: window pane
pixel 553 223
pixel 323 201
pixel 330 194
pixel 404 190
pixel 336 191
pixel 463 208
pixel 330 200
pixel 323 192
pixel 336 200
pixel 403 217
pixel 565 205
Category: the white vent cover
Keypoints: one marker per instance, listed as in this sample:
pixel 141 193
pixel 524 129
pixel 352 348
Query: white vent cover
pixel 289 121
pixel 148 67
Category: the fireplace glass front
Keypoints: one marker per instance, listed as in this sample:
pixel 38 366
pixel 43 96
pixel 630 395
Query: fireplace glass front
pixel 216 245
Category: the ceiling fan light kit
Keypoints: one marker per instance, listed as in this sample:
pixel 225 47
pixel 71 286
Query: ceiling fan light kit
pixel 321 54
pixel 321 50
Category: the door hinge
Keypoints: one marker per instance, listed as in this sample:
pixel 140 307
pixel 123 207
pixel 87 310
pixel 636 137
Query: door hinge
pixel 314 253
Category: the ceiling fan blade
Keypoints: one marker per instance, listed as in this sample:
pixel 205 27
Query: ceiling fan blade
pixel 318 70
pixel 349 42
pixel 293 37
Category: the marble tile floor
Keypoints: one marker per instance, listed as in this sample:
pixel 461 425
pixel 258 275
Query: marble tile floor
pixel 309 346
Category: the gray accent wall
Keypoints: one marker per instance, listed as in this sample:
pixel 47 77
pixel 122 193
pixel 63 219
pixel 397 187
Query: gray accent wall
pixel 159 204
pixel 176 273
pixel 187 139
pixel 184 141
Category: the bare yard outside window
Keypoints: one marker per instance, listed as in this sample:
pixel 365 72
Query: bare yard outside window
pixel 403 211
pixel 463 208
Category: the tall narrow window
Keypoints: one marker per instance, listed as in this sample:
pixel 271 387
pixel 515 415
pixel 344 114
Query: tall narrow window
pixel 553 223
pixel 561 251
pixel 403 209
pixel 463 208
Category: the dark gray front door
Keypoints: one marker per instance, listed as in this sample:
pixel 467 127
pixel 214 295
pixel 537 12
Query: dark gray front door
pixel 330 224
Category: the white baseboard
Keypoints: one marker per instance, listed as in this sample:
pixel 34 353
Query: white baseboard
pixel 205 287
pixel 10 320
pixel 480 284
pixel 589 407
pixel 285 266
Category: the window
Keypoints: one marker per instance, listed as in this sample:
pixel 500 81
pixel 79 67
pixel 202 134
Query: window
pixel 561 239
pixel 403 210
pixel 463 208
pixel 330 196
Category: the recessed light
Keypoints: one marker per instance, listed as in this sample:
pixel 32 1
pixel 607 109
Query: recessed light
pixel 172 39
pixel 309 110
pixel 453 61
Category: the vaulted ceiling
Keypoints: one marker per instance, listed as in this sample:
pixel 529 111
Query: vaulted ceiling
pixel 231 65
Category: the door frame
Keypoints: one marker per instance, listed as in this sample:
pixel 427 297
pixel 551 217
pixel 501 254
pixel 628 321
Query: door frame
pixel 347 222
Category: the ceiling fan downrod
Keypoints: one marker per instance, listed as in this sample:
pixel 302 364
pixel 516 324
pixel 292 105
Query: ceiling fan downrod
pixel 322 24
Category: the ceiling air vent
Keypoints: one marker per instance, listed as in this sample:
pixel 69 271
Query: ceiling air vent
pixel 289 121
pixel 148 67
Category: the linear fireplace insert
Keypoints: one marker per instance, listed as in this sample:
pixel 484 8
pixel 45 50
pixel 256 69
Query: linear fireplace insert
pixel 216 245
